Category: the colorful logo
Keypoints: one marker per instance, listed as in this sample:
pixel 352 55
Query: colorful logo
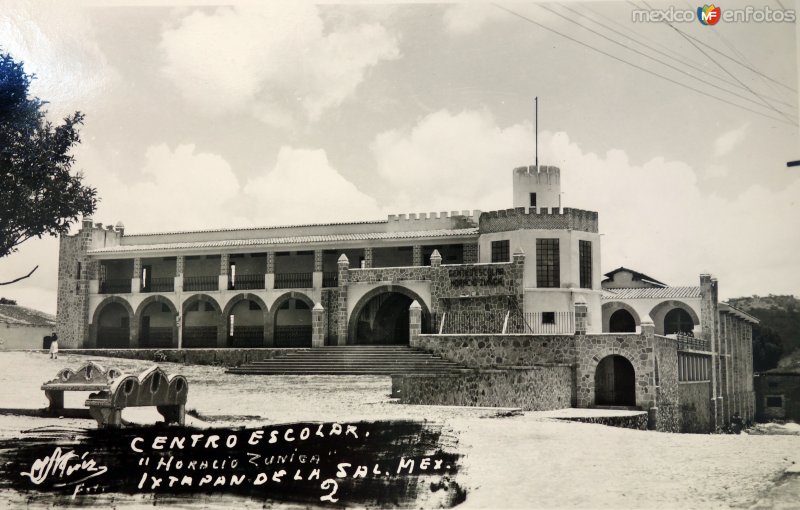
pixel 708 14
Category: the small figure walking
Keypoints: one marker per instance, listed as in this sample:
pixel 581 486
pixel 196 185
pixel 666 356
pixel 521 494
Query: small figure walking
pixel 54 346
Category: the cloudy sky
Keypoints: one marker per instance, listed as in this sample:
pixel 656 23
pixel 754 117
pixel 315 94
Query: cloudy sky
pixel 210 116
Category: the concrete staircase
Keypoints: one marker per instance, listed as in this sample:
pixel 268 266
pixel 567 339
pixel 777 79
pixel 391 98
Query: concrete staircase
pixel 351 360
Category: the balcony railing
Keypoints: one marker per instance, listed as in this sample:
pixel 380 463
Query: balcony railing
pixel 199 283
pixel 199 337
pixel 688 342
pixel 247 282
pixel 293 336
pixel 159 285
pixel 247 336
pixel 294 280
pixel 330 279
pixel 115 286
pixel 156 337
pixel 542 323
pixel 113 337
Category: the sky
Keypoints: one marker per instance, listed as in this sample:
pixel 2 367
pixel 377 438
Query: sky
pixel 250 114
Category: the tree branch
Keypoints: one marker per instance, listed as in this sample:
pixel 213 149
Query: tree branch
pixel 21 277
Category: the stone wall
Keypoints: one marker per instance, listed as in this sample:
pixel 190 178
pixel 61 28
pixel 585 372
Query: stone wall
pixel 548 219
pixel 636 421
pixel 329 299
pixel 540 388
pixel 696 408
pixel 72 300
pixel 491 351
pixel 228 357
pixel 668 415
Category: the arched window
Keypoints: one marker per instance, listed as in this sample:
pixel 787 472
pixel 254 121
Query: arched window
pixel 621 321
pixel 678 320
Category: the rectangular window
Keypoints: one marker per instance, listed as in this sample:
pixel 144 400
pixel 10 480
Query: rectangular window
pixel 500 251
pixel 548 317
pixel 533 199
pixel 548 271
pixel 774 401
pixel 585 256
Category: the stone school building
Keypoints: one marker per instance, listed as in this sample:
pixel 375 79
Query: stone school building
pixel 489 290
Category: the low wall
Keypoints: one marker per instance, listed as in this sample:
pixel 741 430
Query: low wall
pixel 487 351
pixel 635 421
pixel 695 407
pixel 540 388
pixel 224 357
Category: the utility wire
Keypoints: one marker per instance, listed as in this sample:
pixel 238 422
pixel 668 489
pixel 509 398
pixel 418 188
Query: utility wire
pixel 529 20
pixel 681 60
pixel 764 101
pixel 674 68
pixel 722 54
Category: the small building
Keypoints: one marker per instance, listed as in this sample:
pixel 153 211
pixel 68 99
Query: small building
pixel 778 394
pixel 24 328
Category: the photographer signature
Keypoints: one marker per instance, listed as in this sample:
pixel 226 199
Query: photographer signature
pixel 63 464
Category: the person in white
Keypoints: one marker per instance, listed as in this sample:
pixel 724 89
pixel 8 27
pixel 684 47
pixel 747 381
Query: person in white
pixel 54 347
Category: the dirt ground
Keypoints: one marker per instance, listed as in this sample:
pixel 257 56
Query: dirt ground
pixel 525 460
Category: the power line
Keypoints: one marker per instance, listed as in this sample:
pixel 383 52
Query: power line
pixel 681 60
pixel 750 68
pixel 766 103
pixel 529 20
pixel 690 75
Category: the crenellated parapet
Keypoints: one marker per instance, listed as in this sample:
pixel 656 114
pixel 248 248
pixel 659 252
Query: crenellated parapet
pixel 432 220
pixel 543 219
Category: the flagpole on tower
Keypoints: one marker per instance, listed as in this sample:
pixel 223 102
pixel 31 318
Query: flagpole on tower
pixel 536 102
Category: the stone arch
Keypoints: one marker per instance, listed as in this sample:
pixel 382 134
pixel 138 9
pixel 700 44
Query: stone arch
pixel 202 333
pixel 352 326
pixel 293 336
pixel 94 327
pixel 623 345
pixel 609 308
pixel 266 338
pixel 659 311
pixel 615 381
pixel 139 317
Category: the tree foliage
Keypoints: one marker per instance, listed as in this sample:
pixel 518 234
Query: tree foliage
pixel 39 194
pixel 767 348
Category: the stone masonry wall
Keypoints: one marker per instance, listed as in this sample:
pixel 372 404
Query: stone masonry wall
pixel 329 299
pixel 72 295
pixel 667 397
pixel 547 219
pixel 490 351
pixel 532 389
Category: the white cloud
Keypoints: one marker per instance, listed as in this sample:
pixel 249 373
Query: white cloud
pixel 177 189
pixel 653 215
pixel 728 141
pixel 303 187
pixel 467 18
pixel 274 61
pixel 57 43
pixel 452 161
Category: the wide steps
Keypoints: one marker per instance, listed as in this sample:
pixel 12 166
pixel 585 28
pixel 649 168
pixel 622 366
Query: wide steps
pixel 350 360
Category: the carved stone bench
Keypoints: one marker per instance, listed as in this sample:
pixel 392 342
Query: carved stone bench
pixel 115 391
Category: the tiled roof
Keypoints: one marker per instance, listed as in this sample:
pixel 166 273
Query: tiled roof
pixel 22 316
pixel 651 293
pixel 636 276
pixel 268 227
pixel 725 307
pixel 235 243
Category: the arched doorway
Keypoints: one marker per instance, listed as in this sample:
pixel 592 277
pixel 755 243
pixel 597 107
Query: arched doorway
pixel 245 323
pixel 615 382
pixel 201 320
pixel 383 320
pixel 293 322
pixel 157 326
pixel 113 323
pixel 621 321
pixel 678 320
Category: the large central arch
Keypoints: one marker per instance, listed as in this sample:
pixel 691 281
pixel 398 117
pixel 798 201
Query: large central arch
pixel 203 325
pixel 247 321
pixel 381 316
pixel 156 319
pixel 112 324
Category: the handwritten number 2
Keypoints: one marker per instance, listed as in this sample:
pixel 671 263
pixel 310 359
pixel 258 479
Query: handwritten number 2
pixel 329 484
